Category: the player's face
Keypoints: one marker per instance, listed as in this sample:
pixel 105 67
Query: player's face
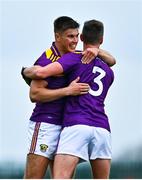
pixel 69 40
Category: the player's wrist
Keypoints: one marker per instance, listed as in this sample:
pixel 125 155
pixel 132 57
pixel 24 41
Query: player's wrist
pixel 68 91
pixel 27 80
pixel 22 71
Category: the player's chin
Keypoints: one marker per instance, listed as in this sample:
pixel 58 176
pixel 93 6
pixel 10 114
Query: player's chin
pixel 72 50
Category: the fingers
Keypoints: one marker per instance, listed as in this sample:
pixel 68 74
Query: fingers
pixel 89 54
pixel 83 92
pixel 83 84
pixel 77 88
pixel 84 89
pixel 86 58
pixel 77 79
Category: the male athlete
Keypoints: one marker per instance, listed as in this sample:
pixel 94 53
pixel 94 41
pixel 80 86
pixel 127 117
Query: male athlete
pixel 45 122
pixel 86 133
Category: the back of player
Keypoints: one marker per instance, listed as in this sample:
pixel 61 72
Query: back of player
pixel 86 126
pixel 89 108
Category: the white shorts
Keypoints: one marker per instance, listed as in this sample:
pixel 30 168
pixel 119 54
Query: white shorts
pixel 85 142
pixel 43 138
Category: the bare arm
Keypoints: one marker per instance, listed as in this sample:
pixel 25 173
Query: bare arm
pixel 106 57
pixel 40 93
pixel 90 53
pixel 38 72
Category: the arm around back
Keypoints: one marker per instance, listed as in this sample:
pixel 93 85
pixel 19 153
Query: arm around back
pixel 107 57
pixel 38 72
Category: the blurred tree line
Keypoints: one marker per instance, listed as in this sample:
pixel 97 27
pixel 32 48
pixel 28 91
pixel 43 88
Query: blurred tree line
pixel 119 170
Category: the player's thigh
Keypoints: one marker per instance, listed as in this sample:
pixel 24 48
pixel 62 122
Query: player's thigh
pixel 100 168
pixel 51 167
pixel 100 145
pixel 42 144
pixel 64 166
pixel 74 141
pixel 36 166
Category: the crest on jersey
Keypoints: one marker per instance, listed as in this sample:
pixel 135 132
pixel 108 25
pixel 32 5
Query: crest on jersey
pixel 43 147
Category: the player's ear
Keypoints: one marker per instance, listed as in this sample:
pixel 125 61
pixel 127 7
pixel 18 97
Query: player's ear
pixel 57 36
pixel 81 37
pixel 101 40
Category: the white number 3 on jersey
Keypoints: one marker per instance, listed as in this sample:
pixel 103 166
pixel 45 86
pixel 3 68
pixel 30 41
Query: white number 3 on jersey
pixel 98 81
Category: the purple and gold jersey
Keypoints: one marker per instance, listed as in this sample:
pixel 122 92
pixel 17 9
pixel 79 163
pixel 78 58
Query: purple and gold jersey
pixel 87 109
pixel 50 112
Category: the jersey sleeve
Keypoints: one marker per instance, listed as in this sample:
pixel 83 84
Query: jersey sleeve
pixel 68 61
pixel 42 60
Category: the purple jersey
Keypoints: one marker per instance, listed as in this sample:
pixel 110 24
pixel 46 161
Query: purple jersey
pixel 50 112
pixel 87 109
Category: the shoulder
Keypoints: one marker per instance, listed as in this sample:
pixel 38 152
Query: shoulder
pixel 43 59
pixel 72 55
pixel 46 54
pixel 100 63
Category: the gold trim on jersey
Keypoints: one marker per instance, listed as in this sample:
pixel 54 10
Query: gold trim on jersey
pixel 78 52
pixel 55 58
pixel 50 55
pixel 55 50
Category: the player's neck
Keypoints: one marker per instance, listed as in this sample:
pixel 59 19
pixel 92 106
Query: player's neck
pixel 85 46
pixel 59 48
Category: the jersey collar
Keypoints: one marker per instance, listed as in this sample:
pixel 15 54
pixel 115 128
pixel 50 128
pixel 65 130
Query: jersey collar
pixel 55 50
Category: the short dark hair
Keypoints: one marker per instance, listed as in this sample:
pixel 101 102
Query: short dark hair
pixel 92 31
pixel 63 23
